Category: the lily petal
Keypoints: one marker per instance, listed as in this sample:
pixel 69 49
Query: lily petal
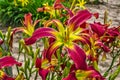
pixel 28 19
pixel 69 12
pixel 38 63
pixel 98 29
pixel 58 5
pixel 95 74
pixel 96 15
pixel 36 22
pixel 105 48
pixel 78 56
pixel 58 24
pixel 113 31
pixel 39 33
pixel 11 37
pixel 8 61
pixel 81 17
pixel 43 73
pixel 90 73
pixel 52 49
pixel 41 9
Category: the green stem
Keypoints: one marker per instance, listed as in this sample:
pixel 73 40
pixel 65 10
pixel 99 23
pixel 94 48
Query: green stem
pixel 111 65
pixel 115 74
pixel 36 75
pixel 17 66
pixel 17 70
pixel 30 71
pixel 52 76
pixel 72 4
pixel 25 69
pixel 106 73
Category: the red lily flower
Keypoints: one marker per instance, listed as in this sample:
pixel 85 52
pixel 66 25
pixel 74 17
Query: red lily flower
pixel 78 56
pixel 91 50
pixel 105 48
pixel 98 28
pixel 78 20
pixel 7 61
pixel 65 37
pixel 114 31
pixel 55 9
pixel 42 72
pixel 58 5
pixel 89 73
pixel 29 26
pixel 44 66
pixel 105 33
pixel 52 10
pixel 95 74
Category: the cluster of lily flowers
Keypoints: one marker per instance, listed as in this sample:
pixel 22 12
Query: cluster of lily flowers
pixel 73 45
